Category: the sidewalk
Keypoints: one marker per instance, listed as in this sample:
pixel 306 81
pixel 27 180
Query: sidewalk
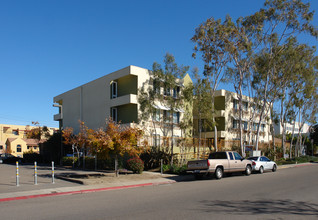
pixel 70 181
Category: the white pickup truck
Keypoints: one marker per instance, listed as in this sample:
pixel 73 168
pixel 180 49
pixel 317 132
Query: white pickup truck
pixel 219 163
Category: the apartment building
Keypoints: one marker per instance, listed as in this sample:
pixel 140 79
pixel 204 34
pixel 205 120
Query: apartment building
pixel 289 128
pixel 13 139
pixel 115 95
pixel 227 119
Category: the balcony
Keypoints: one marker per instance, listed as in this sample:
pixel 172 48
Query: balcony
pixel 123 100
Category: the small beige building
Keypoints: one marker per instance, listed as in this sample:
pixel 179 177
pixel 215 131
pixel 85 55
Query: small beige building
pixel 13 137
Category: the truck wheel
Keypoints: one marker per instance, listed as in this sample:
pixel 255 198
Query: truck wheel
pixel 218 173
pixel 248 170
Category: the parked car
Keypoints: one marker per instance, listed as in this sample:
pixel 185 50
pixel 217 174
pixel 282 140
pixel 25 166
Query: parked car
pixel 219 163
pixel 9 158
pixel 261 164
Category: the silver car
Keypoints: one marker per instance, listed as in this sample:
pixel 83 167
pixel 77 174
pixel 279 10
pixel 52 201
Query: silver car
pixel 262 164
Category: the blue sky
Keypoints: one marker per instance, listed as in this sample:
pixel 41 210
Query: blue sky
pixel 48 47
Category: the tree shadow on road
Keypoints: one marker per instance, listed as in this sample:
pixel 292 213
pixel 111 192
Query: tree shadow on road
pixel 253 207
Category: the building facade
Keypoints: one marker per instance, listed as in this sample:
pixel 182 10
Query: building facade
pixel 227 120
pixel 13 139
pixel 115 96
pixel 289 128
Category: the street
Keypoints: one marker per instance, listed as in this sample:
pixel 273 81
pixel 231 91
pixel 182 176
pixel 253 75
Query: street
pixel 286 194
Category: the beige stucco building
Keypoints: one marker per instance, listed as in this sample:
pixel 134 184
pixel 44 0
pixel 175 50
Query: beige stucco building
pixel 227 119
pixel 115 95
pixel 13 138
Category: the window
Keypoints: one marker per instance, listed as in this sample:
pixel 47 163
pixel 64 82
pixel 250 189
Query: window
pixel 156 115
pixel 176 117
pixel 235 104
pixel 231 156
pixel 237 156
pixel 34 148
pixel 176 92
pixel 114 114
pixel 235 124
pixel 244 125
pixel 255 125
pixel 218 155
pixel 166 116
pixel 156 86
pixel 15 132
pixel 19 149
pixel 28 147
pixel 114 90
pixel 245 106
pixel 167 92
pixel 262 128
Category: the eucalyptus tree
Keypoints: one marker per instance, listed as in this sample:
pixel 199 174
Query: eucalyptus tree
pixel 307 98
pixel 202 106
pixel 273 26
pixel 240 47
pixel 165 92
pixel 209 39
pixel 297 63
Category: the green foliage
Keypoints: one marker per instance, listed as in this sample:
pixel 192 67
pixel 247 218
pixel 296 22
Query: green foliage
pixel 152 158
pixel 302 159
pixel 174 169
pixel 136 165
pixel 31 157
pixel 68 161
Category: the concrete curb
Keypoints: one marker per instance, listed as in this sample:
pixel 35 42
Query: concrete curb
pixel 294 165
pixel 86 191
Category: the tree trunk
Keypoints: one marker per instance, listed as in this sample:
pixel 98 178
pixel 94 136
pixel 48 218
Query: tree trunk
pixel 116 166
pixel 291 142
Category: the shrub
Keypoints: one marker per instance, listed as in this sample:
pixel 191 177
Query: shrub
pixel 135 164
pixel 31 157
pixel 68 161
pixel 152 158
pixel 174 169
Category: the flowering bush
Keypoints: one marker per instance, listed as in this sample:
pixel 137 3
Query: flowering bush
pixel 135 164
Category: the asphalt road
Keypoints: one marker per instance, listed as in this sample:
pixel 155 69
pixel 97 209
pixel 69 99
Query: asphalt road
pixel 286 194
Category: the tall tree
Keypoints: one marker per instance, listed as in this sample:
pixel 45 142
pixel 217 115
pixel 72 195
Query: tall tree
pixel 273 27
pixel 202 106
pixel 209 39
pixel 164 99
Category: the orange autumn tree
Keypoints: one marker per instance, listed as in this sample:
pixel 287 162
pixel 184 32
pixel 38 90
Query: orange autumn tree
pixel 79 141
pixel 115 140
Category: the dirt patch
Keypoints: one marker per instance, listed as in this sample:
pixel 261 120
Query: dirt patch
pixel 110 178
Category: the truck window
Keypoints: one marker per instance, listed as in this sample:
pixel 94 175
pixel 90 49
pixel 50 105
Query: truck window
pixel 237 156
pixel 218 155
pixel 231 156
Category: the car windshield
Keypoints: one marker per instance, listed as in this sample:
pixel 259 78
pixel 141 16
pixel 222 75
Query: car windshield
pixel 252 158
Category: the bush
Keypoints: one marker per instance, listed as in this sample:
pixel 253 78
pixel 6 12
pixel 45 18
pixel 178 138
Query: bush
pixel 68 161
pixel 135 164
pixel 174 169
pixel 152 158
pixel 31 157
